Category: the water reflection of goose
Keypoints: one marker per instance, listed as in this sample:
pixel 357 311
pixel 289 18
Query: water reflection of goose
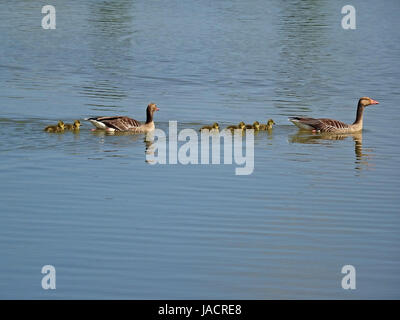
pixel 149 147
pixel 313 138
pixel 309 138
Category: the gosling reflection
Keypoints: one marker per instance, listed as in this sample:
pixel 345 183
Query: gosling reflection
pixel 362 156
pixel 270 132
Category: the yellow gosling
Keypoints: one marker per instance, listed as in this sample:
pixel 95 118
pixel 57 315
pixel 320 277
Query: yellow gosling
pixel 75 126
pixel 267 126
pixel 58 128
pixel 214 127
pixel 254 126
pixel 240 126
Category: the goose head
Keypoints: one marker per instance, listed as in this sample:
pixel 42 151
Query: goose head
pixel 152 107
pixel 366 101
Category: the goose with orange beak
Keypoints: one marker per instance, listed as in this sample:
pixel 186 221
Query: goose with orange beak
pixel 335 126
pixel 126 124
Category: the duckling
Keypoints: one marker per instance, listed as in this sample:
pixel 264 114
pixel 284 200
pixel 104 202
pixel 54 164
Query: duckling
pixel 254 126
pixel 58 128
pixel 74 126
pixel 214 127
pixel 267 126
pixel 241 126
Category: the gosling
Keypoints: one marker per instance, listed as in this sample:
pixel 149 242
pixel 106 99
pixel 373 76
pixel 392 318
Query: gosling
pixel 267 126
pixel 214 127
pixel 240 126
pixel 255 126
pixel 75 126
pixel 58 128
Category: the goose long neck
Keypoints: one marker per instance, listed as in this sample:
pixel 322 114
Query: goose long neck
pixel 360 112
pixel 149 116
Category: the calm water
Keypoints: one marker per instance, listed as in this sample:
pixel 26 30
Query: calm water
pixel 116 227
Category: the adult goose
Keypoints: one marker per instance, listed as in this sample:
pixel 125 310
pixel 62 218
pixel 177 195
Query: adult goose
pixel 335 126
pixel 121 123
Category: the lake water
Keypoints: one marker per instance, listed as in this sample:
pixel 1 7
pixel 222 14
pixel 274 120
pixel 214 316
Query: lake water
pixel 116 227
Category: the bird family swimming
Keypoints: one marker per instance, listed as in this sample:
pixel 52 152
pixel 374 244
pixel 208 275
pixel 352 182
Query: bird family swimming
pixel 58 128
pixel 126 124
pixel 335 126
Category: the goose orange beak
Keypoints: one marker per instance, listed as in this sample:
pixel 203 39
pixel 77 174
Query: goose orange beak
pixel 374 101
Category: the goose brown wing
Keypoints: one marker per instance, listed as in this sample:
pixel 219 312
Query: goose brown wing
pixel 329 125
pixel 119 123
pixel 325 125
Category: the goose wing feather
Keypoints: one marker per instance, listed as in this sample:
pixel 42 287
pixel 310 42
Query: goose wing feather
pixel 323 124
pixel 120 123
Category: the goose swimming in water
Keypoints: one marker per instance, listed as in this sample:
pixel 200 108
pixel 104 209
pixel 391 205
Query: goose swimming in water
pixel 335 126
pixel 122 123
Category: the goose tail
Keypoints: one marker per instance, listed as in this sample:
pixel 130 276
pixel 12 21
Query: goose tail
pixel 96 123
